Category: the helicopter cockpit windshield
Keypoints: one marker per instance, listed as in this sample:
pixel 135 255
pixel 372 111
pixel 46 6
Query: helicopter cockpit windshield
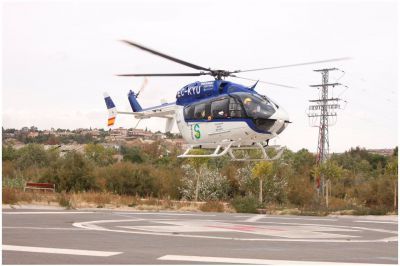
pixel 256 106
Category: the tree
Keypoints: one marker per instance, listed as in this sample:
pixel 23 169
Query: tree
pixel 99 154
pixel 262 170
pixel 197 163
pixel 391 171
pixel 132 154
pixel 8 153
pixel 330 170
pixel 32 155
pixel 75 173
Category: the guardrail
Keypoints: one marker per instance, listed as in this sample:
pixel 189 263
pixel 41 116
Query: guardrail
pixel 40 186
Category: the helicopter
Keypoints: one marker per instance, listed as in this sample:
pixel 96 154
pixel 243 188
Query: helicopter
pixel 218 115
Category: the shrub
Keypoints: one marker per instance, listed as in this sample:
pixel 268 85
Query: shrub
pixel 9 196
pixel 247 204
pixel 125 178
pixel 17 182
pixel 169 181
pixel 8 153
pixel 300 191
pixel 132 154
pixel 99 154
pixel 32 155
pixel 212 185
pixel 212 206
pixel 75 173
pixel 64 200
pixel 370 211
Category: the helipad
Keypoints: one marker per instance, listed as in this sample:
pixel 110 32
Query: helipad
pixel 141 237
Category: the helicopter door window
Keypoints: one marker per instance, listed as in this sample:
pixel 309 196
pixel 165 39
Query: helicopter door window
pixel 220 108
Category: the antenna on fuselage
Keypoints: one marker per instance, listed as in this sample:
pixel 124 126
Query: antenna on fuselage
pixel 255 84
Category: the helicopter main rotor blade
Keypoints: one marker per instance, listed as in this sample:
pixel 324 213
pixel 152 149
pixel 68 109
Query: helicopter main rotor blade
pixel 293 65
pixel 165 75
pixel 176 60
pixel 266 82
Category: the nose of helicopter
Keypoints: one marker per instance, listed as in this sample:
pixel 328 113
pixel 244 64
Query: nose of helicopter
pixel 282 120
pixel 281 114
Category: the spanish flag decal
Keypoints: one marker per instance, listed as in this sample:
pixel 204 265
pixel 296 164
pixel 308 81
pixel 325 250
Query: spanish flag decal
pixel 111 121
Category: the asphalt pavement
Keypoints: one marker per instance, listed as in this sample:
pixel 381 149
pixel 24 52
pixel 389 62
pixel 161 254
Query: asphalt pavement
pixel 131 237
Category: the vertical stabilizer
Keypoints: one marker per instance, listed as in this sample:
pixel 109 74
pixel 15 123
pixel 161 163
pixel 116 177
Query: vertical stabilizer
pixel 112 110
pixel 132 97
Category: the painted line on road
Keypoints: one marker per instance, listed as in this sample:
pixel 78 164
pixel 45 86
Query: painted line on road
pixel 375 222
pixel 46 212
pixel 290 218
pixel 390 239
pixel 305 219
pixel 162 214
pixel 42 228
pixel 248 261
pixel 255 218
pixel 339 226
pixel 79 252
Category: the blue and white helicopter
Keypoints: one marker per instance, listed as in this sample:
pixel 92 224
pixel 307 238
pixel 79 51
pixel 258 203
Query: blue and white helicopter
pixel 219 115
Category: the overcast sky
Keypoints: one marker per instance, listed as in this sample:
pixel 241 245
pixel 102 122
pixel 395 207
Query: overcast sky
pixel 60 56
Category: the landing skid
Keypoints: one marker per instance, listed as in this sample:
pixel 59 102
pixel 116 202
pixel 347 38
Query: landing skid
pixel 230 147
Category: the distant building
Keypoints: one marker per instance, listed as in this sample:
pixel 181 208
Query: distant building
pixel 94 132
pixel 33 134
pixel 9 135
pixel 45 132
pixel 384 152
pixel 119 132
pixel 139 133
pixel 64 149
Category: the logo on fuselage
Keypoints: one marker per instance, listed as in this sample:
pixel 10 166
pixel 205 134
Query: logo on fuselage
pixel 196 129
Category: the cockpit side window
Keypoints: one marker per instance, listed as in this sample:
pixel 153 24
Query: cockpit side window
pixel 255 105
pixel 189 112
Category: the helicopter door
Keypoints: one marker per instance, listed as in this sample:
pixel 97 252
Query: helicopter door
pixel 235 108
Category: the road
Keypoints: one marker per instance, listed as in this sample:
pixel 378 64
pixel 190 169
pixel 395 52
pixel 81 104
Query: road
pixel 130 237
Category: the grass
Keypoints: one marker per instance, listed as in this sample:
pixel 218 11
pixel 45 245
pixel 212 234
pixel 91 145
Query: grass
pixel 15 196
pixel 64 200
pixel 95 200
pixel 9 196
pixel 212 206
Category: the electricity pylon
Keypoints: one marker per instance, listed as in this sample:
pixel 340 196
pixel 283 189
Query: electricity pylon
pixel 323 108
